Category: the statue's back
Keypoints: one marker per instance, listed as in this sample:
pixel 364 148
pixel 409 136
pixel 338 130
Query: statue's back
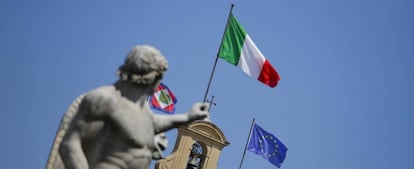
pixel 55 161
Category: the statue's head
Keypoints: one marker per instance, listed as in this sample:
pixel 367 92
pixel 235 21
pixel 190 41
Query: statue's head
pixel 143 65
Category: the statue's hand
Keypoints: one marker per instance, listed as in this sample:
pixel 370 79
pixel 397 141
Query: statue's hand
pixel 198 111
pixel 161 144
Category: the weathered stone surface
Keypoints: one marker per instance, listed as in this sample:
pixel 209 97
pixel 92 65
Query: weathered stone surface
pixel 113 127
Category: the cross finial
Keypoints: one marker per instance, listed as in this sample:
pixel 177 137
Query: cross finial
pixel 211 103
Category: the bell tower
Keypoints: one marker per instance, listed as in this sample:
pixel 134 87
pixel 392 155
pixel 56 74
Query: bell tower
pixel 198 146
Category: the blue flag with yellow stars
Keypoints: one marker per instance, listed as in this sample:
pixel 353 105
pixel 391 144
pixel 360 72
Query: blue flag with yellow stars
pixel 267 145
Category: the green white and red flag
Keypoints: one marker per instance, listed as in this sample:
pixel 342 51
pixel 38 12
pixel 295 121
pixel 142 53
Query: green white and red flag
pixel 238 49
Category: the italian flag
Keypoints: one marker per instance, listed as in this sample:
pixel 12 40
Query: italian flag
pixel 238 49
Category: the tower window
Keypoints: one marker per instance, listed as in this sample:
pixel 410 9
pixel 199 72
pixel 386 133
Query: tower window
pixel 195 158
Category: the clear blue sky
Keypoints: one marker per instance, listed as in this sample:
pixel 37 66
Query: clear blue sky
pixel 345 99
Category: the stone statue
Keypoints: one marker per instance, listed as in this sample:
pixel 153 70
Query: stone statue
pixel 113 127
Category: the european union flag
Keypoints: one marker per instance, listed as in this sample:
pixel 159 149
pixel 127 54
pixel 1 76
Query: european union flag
pixel 267 145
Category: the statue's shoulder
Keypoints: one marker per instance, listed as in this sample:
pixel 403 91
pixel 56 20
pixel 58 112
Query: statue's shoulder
pixel 102 92
pixel 101 100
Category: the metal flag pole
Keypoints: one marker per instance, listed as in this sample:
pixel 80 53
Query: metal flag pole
pixel 215 62
pixel 247 142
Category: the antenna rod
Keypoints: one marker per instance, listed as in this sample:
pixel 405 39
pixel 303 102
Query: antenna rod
pixel 215 62
pixel 248 140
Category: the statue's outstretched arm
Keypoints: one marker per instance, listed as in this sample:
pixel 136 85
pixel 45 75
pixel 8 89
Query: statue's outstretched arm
pixel 165 122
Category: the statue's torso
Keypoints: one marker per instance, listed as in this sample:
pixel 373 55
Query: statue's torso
pixel 121 136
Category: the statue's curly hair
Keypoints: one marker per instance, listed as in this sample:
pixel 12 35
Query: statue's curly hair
pixel 144 64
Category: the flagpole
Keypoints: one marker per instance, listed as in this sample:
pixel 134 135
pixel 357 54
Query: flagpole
pixel 215 62
pixel 248 139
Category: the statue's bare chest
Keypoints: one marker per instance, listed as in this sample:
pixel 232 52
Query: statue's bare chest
pixel 135 123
